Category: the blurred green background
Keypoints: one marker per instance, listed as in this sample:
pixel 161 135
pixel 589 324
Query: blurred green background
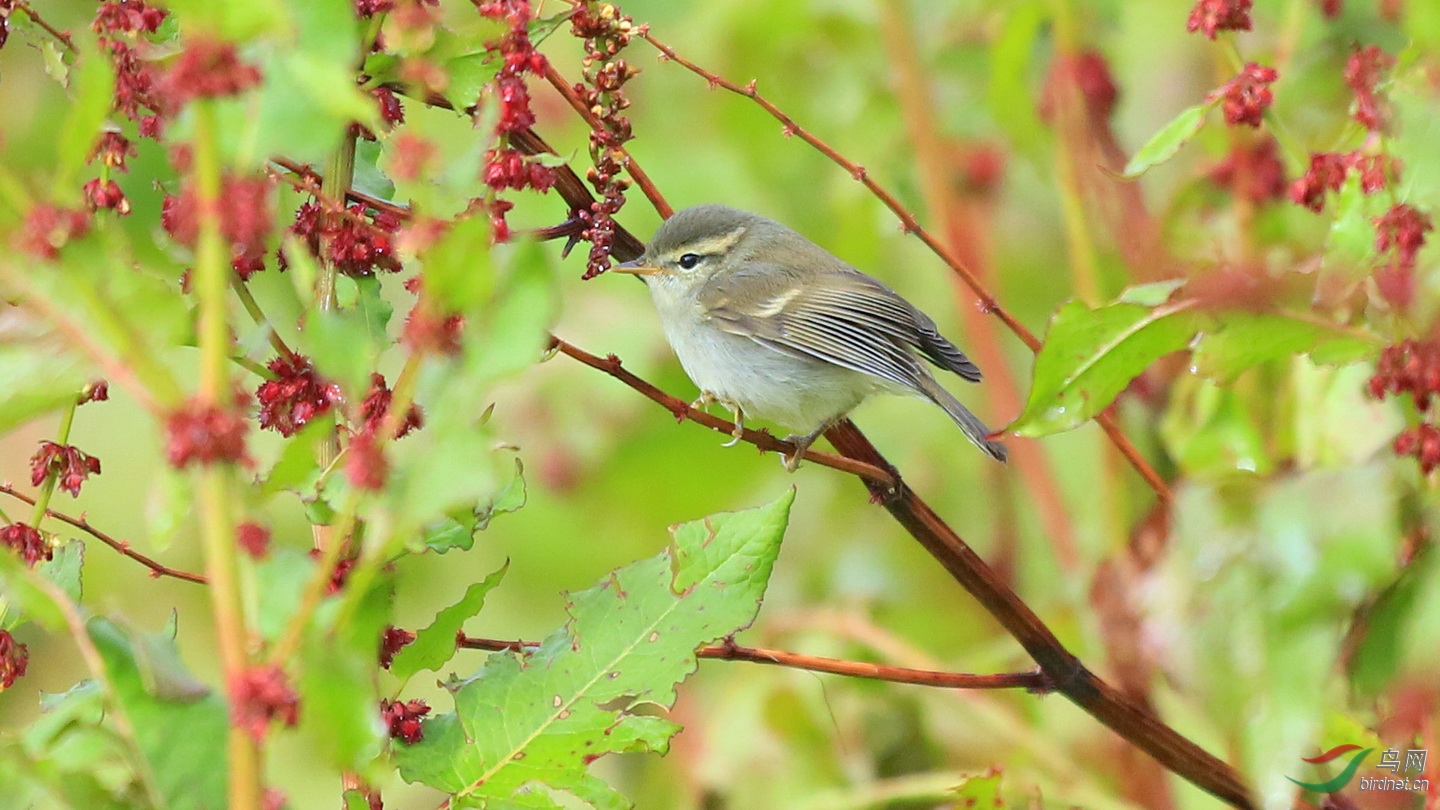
pixel 608 471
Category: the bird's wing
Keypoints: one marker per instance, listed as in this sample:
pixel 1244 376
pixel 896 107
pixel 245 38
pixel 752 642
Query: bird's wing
pixel 850 320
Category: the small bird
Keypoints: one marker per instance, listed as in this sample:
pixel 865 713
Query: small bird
pixel 773 326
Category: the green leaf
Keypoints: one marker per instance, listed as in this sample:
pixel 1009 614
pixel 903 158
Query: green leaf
pixel 980 792
pixel 1165 143
pixel 1208 430
pixel 344 346
pixel 468 75
pixel 180 731
pixel 297 469
pixel 281 577
pixel 1260 584
pixel 1350 246
pixel 1242 340
pixel 24 589
pixel 459 528
pixel 92 85
pixel 517 326
pixel 338 693
pixel 543 716
pixel 63 568
pixel 1009 96
pixel 234 20
pixel 34 381
pixel 435 645
pixel 1090 355
pixel 457 268
pixel 367 299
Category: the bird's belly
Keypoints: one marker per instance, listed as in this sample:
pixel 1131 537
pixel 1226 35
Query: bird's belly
pixel 796 392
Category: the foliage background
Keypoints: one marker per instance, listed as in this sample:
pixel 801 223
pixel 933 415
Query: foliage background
pixel 607 471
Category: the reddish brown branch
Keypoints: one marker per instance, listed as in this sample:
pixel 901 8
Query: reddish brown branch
pixel 730 651
pixel 647 186
pixel 1068 675
pixel 62 36
pixel 682 410
pixel 910 224
pixel 157 569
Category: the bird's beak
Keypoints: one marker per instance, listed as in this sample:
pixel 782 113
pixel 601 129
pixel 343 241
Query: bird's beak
pixel 636 267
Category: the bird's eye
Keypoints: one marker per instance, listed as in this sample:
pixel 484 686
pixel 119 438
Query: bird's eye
pixel 689 260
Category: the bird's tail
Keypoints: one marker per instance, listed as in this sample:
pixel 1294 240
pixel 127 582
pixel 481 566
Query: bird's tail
pixel 974 429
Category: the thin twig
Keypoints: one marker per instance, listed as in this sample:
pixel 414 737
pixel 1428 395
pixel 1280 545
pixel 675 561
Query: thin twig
pixel 610 364
pixel 157 569
pixel 642 180
pixel 1034 681
pixel 911 225
pixel 62 36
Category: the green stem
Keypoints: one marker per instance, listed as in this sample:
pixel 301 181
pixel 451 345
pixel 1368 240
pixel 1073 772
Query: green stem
pixel 47 489
pixel 217 480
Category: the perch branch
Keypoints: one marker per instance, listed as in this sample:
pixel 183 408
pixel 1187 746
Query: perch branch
pixel 730 651
pixel 157 569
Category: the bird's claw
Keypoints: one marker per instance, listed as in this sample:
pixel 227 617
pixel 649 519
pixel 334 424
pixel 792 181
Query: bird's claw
pixel 739 432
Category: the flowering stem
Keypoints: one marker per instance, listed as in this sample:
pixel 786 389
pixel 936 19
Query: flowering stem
pixel 339 174
pixel 47 489
pixel 217 480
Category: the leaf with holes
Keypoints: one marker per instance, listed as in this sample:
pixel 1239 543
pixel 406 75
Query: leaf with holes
pixel 533 722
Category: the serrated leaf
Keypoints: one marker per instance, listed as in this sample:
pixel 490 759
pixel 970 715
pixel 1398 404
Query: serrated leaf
pixel 435 645
pixel 542 717
pixel 468 75
pixel 1164 144
pixel 1242 340
pixel 1090 355
pixel 1350 244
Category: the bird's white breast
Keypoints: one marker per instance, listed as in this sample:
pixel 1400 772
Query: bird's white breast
pixel 798 393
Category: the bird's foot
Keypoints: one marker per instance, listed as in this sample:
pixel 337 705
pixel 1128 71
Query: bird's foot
pixel 802 443
pixel 705 400
pixel 738 416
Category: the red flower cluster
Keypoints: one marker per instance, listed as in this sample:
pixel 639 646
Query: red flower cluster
pixel 392 642
pixel 247 215
pixel 261 694
pixel 1401 233
pixel 377 406
pixel 403 718
pixel 253 539
pixel 1331 8
pixel 429 331
pixel 98 391
pixel 1409 367
pixel 206 434
pixel 207 68
pixel 113 150
pixel 1254 171
pixel 392 112
pixel 1422 442
pixel 355 248
pixel 119 24
pixel 48 228
pixel 1403 230
pixel 295 396
pixel 364 9
pixel 70 466
pixel 1247 96
pixel 1210 17
pixel 508 168
pixel 339 576
pixel 27 542
pixel 14 660
pixel 106 194
pixel 605 32
pixel 1362 73
pixel 365 463
pixel 1328 170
